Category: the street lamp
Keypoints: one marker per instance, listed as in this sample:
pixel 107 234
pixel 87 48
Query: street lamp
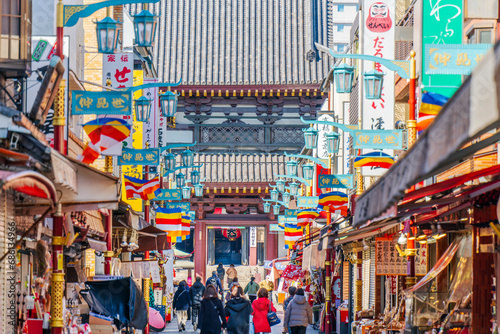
pixel 344 75
pixel 308 171
pixel 276 209
pixel 274 195
pixel 286 197
pixel 332 142
pixel 267 207
pixel 291 167
pixel 280 185
pixel 311 138
pixel 107 35
pixel 186 192
pixel 195 177
pixel 198 190
pixel 294 188
pixel 170 161
pixel 142 109
pixel 187 158
pixel 168 102
pixel 180 180
pixel 145 28
pixel 373 84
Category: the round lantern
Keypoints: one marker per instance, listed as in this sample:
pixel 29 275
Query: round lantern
pixel 231 233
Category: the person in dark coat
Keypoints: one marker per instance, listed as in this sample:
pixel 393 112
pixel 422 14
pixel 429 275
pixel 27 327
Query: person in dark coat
pixel 215 281
pixel 181 304
pixel 291 292
pixel 212 319
pixel 261 307
pixel 221 272
pixel 238 310
pixel 196 293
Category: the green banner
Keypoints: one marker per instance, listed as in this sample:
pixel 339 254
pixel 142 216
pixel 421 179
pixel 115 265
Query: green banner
pixel 442 24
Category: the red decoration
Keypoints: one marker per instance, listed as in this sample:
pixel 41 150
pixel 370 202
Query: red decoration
pixel 231 233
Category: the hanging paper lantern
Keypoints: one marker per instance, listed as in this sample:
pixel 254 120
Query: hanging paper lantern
pixel 231 233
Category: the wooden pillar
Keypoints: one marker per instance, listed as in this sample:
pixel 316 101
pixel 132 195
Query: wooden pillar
pixel 272 246
pixel 200 255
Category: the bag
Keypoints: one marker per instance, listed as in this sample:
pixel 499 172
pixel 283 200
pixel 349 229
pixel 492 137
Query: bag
pixel 251 328
pixel 213 281
pixel 272 317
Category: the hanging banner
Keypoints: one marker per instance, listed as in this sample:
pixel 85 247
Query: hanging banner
pixel 323 131
pixel 150 128
pixel 336 181
pixel 145 157
pixel 101 103
pixel 290 213
pixel 169 195
pixel 453 58
pixel 185 206
pixel 379 41
pixel 307 201
pixel 441 24
pixel 253 236
pixel 388 261
pixel 378 139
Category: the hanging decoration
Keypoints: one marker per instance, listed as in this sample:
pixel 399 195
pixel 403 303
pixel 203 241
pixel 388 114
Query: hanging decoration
pixel 231 233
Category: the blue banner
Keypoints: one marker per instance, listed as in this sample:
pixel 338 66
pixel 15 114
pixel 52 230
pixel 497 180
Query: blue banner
pixel 185 206
pixel 275 228
pixel 192 215
pixel 290 213
pixel 145 157
pixel 453 58
pixel 307 201
pixel 282 220
pixel 169 195
pixel 345 181
pixel 378 139
pixel 101 103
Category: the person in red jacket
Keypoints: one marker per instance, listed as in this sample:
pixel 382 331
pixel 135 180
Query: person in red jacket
pixel 260 309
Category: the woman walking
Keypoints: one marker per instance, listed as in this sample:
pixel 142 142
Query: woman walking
pixel 238 310
pixel 211 318
pixel 261 307
pixel 181 305
pixel 298 314
pixel 221 272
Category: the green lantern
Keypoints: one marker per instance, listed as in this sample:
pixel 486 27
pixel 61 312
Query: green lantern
pixel 311 138
pixel 107 35
pixel 332 142
pixel 168 101
pixel 142 109
pixel 267 207
pixel 343 75
pixel 373 84
pixel 308 171
pixel 291 167
pixel 145 28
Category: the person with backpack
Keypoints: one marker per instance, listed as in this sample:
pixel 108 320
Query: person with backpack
pixel 212 318
pixel 196 293
pixel 291 292
pixel 180 305
pixel 251 289
pixel 261 306
pixel 238 311
pixel 215 281
pixel 298 314
pixel 220 273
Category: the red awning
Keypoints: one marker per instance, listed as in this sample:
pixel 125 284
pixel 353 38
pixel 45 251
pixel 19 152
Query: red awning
pixel 30 183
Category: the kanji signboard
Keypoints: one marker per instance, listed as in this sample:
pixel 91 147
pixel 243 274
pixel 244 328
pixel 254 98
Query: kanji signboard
pixel 453 58
pixel 290 213
pixel 282 220
pixel 378 139
pixel 388 261
pixel 185 206
pixel 307 201
pixel 336 181
pixel 139 157
pixel 101 103
pixel 169 195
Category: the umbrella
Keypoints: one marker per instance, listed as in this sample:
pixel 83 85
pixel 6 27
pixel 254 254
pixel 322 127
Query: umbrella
pixel 156 321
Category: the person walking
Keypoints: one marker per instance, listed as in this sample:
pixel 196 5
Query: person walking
pixel 291 292
pixel 261 307
pixel 231 274
pixel 220 273
pixel 251 289
pixel 196 293
pixel 181 305
pixel 238 310
pixel 233 283
pixel 212 318
pixel 268 285
pixel 215 281
pixel 298 314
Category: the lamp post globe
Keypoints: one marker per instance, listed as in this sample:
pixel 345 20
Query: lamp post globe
pixel 168 101
pixel 276 209
pixel 294 188
pixel 291 167
pixel 195 177
pixel 170 161
pixel 107 35
pixel 332 142
pixel 373 84
pixel 343 76
pixel 145 28
pixel 198 190
pixel 186 192
pixel 180 180
pixel 187 158
pixel 311 138
pixel 274 194
pixel 308 171
pixel 280 185
pixel 142 109
pixel 267 207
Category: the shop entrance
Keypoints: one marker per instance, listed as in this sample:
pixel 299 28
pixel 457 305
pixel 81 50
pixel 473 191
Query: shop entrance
pixel 228 246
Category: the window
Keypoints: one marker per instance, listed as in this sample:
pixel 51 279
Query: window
pixel 340 27
pixel 340 48
pixel 340 8
pixel 480 36
pixel 14 29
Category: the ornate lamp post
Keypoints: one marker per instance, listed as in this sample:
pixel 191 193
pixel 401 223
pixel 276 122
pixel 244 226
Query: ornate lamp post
pixel 145 28
pixel 311 138
pixel 267 207
pixel 291 167
pixel 373 84
pixel 274 195
pixel 107 35
pixel 142 109
pixel 343 76
pixel 168 101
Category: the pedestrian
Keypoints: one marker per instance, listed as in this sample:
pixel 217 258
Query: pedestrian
pixel 234 283
pixel 220 273
pixel 196 293
pixel 181 305
pixel 268 285
pixel 231 274
pixel 212 319
pixel 291 292
pixel 251 289
pixel 298 314
pixel 261 307
pixel 215 281
pixel 238 310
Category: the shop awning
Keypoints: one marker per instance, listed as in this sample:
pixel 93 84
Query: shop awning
pixel 29 183
pixel 472 111
pixel 97 244
pixel 152 239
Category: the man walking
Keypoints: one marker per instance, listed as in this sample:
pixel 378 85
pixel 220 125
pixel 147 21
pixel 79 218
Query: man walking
pixel 231 274
pixel 251 289
pixel 181 305
pixel 215 281
pixel 196 293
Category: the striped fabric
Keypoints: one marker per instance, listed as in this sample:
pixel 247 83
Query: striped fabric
pixel 374 159
pixel 431 104
pixel 293 232
pixel 334 202
pixel 306 216
pixel 143 189
pixel 170 221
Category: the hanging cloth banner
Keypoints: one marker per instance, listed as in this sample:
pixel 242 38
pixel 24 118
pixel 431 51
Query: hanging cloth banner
pixel 231 234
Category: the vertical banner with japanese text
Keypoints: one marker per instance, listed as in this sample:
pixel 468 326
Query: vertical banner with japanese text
pixel 150 128
pixel 379 41
pixel 441 24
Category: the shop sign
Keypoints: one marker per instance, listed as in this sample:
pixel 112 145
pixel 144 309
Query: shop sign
pixel 40 47
pixel 393 284
pixel 378 139
pixel 185 206
pixel 453 58
pixel 335 181
pixel 168 195
pixel 106 277
pixel 290 213
pixel 101 103
pixel 253 236
pixel 388 261
pixel 144 157
pixel 158 296
pixel 192 215
pixel 336 289
pixel 155 272
pixel 307 201
pixel 275 228
pixel 282 220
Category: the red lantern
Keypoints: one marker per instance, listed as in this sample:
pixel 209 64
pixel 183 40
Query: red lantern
pixel 231 233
